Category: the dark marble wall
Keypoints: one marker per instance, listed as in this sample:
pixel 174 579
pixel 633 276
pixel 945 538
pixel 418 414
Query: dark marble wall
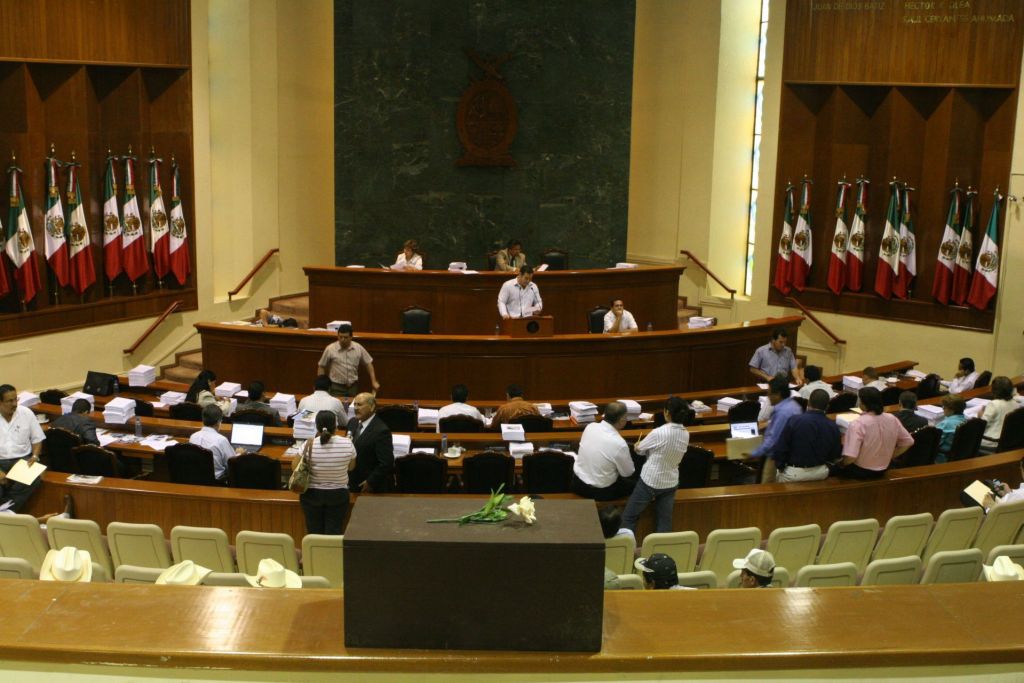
pixel 400 69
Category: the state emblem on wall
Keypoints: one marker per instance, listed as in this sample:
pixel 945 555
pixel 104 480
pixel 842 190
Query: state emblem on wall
pixel 486 119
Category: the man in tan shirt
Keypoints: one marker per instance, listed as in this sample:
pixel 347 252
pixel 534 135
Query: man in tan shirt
pixel 511 258
pixel 516 407
pixel 341 360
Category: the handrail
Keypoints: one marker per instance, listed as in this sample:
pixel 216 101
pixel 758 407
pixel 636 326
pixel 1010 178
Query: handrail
pixel 815 320
pixel 245 280
pixel 689 255
pixel 156 323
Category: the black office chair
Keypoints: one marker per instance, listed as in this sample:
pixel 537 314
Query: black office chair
pixel 547 471
pixel 186 411
pixel 421 473
pixel 485 472
pixel 58 449
pixel 967 439
pixel 929 387
pixel 744 411
pixel 534 423
pixel 695 468
pixel 97 462
pixel 924 450
pixel 188 463
pixel 595 319
pixel 492 260
pixel 143 408
pixel 842 403
pixel 984 379
pixel 254 471
pixel 415 320
pixel 399 418
pixel 1012 436
pixel 459 424
pixel 891 396
pixel 51 397
pixel 252 416
pixel 557 259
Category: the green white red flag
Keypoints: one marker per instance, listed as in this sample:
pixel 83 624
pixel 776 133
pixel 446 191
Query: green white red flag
pixel 889 249
pixel 942 285
pixel 179 255
pixel 858 235
pixel 133 246
pixel 83 270
pixel 56 245
pixel 908 250
pixel 840 240
pixel 159 232
pixel 20 246
pixel 112 265
pixel 964 253
pixel 986 270
pixel 783 262
pixel 803 245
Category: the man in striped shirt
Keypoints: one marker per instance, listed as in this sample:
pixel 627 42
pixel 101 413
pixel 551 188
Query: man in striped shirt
pixel 659 477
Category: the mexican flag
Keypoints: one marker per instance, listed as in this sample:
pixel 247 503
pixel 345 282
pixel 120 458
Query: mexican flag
pixel 908 250
pixel 783 262
pixel 5 284
pixel 802 242
pixel 986 269
pixel 133 247
pixel 20 246
pixel 858 234
pixel 112 266
pixel 840 240
pixel 83 270
pixel 180 264
pixel 942 285
pixel 159 234
pixel 964 254
pixel 889 249
pixel 56 239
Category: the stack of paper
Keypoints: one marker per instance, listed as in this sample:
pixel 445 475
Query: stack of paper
pixel 335 324
pixel 697 321
pixel 513 432
pixel 427 416
pixel 229 406
pixel 916 374
pixel 725 403
pixel 68 401
pixel 544 409
pixel 27 399
pixel 852 383
pixel 844 420
pixel 402 444
pixel 227 389
pixel 582 411
pixel 141 376
pixel 633 408
pixel 304 426
pixel 975 406
pixel 700 407
pixel 518 449
pixel 931 413
pixel 457 265
pixel 284 404
pixel 119 410
pixel 172 398
pixel 626 265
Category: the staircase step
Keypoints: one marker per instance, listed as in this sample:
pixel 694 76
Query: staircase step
pixel 176 373
pixel 191 359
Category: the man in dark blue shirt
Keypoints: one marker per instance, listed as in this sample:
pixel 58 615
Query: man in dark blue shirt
pixel 809 442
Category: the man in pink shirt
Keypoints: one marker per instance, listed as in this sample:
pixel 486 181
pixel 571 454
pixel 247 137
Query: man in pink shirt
pixel 873 440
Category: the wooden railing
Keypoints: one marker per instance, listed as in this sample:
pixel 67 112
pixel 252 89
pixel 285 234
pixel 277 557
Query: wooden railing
pixel 156 323
pixel 689 255
pixel 815 320
pixel 255 269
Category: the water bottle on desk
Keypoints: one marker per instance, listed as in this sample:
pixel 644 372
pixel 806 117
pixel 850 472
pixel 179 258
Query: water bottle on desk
pixel 117 386
pixel 138 427
pixel 650 327
pixel 444 444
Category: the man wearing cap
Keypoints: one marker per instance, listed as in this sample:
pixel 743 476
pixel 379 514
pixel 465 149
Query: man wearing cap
pixel 21 438
pixel 659 572
pixel 757 569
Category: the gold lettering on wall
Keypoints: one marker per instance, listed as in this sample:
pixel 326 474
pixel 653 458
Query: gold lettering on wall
pixel 849 6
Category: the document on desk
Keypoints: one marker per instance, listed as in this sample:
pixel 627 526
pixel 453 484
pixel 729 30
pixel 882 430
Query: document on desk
pixel 158 442
pixel 513 432
pixel 106 437
pixel 23 473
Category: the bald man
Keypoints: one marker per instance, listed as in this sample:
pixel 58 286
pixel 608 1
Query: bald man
pixel 375 453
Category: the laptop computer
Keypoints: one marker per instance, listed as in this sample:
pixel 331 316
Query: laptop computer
pixel 247 437
pixel 743 430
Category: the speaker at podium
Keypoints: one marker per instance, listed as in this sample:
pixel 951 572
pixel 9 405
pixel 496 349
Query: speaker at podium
pixel 532 326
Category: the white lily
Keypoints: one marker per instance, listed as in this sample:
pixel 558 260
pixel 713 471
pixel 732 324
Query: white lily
pixel 525 509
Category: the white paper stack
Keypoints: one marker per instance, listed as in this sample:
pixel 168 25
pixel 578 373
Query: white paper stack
pixel 141 376
pixel 725 403
pixel 582 411
pixel 335 324
pixel 696 322
pixel 172 398
pixel 425 450
pixel 700 407
pixel 457 265
pixel 427 416
pixel 402 444
pixel 624 264
pixel 27 399
pixel 68 401
pixel 633 409
pixel 304 426
pixel 852 383
pixel 119 410
pixel 513 432
pixel 544 409
pixel 931 413
pixel 284 404
pixel 975 406
pixel 519 449
pixel 766 408
pixel 916 374
pixel 844 420
pixel 229 406
pixel 227 389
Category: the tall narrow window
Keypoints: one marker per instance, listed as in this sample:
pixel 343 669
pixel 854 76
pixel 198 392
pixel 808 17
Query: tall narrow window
pixel 756 151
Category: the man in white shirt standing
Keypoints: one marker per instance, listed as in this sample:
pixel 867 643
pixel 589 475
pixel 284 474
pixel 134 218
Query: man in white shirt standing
pixel 321 399
pixel 21 438
pixel 618 320
pixel 458 406
pixel 604 463
pixel 209 437
pixel 519 298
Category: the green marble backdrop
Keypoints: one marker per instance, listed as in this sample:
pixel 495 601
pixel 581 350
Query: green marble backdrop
pixel 400 69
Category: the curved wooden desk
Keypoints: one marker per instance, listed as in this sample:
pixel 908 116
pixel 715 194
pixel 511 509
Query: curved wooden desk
pixel 373 298
pixel 564 367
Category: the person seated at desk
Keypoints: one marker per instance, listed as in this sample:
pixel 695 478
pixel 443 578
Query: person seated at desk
pixel 953 406
pixel 78 422
pixel 511 258
pixel 603 467
pixel 516 407
pixel 965 377
pixel 320 399
pixel 757 569
pixel 775 357
pixel 619 320
pixel 201 390
pixel 907 414
pixel 341 360
pixel 810 442
pixel 409 258
pixel 659 572
pixel 21 438
pixel 458 406
pixel 996 410
pixel 209 437
pixel 375 451
pixel 872 440
pixel 812 375
pixel 256 403
pixel 871 379
pixel 519 297
pixel 1004 494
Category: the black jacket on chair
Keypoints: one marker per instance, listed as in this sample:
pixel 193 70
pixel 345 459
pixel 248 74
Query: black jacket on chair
pixel 375 456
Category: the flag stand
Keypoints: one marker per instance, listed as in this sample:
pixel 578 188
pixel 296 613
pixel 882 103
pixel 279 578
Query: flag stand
pixel 135 288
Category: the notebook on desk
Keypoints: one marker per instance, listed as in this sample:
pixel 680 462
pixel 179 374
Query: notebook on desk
pixel 737 448
pixel 247 437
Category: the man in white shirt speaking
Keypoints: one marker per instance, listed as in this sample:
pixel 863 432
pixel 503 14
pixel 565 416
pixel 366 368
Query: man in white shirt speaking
pixel 603 466
pixel 520 298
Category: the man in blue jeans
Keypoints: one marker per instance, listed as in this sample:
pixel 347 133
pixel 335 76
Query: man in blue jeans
pixel 664 448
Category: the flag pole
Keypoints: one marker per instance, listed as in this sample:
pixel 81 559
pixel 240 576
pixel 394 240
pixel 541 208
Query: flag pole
pixel 154 160
pixel 14 281
pixel 50 275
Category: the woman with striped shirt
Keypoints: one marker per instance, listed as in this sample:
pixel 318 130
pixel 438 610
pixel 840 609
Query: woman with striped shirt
pixel 325 502
pixel 659 477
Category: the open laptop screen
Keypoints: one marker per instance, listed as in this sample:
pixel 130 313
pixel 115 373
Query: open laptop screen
pixel 247 436
pixel 743 430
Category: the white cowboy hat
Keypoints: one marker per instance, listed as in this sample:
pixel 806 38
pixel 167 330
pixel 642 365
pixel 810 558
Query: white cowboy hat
pixel 67 564
pixel 1003 569
pixel 270 574
pixel 185 573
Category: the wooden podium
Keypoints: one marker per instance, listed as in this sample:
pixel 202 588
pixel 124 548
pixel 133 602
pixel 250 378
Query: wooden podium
pixel 534 326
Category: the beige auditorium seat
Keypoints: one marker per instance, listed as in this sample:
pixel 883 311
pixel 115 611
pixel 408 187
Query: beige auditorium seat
pixel 703 579
pixel 681 546
pixel 1014 552
pixel 849 541
pixel 253 546
pixel 1001 526
pixel 83 534
pixel 618 553
pixel 231 579
pixel 954 530
pixel 16 568
pixel 794 547
pixel 127 573
pixel 22 537
pixel 99 573
pixel 892 571
pixel 323 555
pixel 315 582
pixel 206 546
pixel 140 545
pixel 953 566
pixel 904 535
pixel 630 582
pixel 725 545
pixel 827 575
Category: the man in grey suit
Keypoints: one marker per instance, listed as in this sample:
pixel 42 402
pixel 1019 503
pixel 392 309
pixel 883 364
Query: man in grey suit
pixel 375 453
pixel 78 422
